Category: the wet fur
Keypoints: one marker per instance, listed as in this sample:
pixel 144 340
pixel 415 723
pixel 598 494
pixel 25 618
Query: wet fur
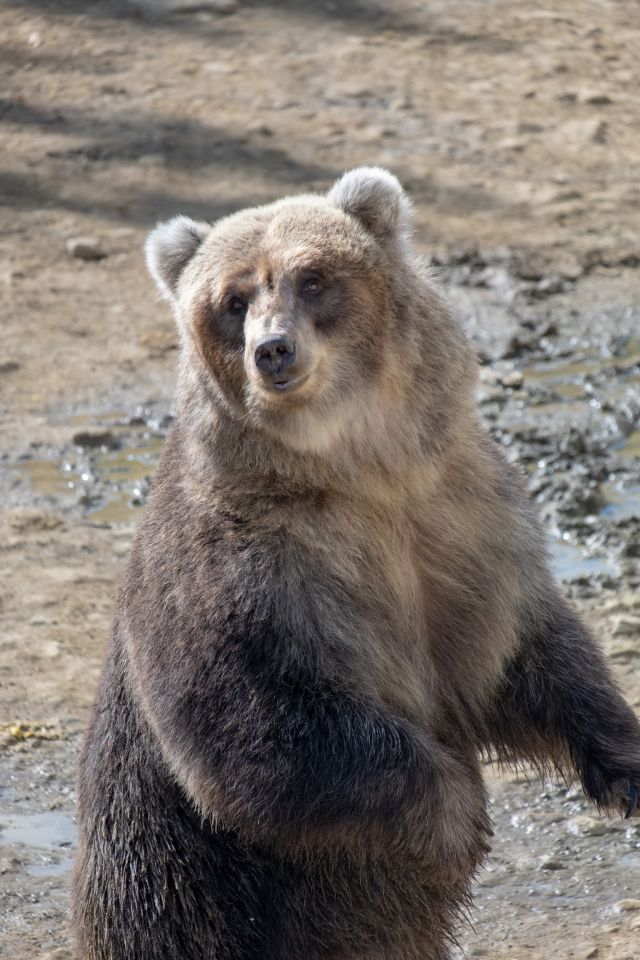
pixel 333 607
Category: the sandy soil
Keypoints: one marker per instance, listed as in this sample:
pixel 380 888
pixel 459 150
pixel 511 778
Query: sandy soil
pixel 513 127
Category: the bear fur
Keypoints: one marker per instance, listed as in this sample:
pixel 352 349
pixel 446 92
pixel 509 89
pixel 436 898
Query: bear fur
pixel 337 601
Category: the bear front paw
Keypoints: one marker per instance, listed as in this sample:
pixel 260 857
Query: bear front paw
pixel 454 838
pixel 628 793
pixel 613 789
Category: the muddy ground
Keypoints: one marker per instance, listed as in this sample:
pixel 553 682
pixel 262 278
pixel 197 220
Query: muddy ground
pixel 514 127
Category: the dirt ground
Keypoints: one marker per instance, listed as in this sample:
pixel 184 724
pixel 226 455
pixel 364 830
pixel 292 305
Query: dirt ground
pixel 514 127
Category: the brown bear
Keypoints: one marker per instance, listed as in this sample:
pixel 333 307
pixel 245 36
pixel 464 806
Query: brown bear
pixel 337 602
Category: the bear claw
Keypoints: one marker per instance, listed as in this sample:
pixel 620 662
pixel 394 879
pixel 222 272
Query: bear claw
pixel 632 804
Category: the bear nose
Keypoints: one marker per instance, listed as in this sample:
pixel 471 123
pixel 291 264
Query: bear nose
pixel 274 354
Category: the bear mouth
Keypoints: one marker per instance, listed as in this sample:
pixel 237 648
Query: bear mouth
pixel 283 385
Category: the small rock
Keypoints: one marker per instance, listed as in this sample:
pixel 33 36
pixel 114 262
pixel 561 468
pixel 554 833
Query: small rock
pixel 260 128
pixel 85 248
pixel 369 134
pixel 586 826
pixel 624 650
pixel 159 342
pixel 121 549
pixel 599 134
pixel 94 437
pixel 24 518
pixel 566 196
pixel 595 98
pixel 69 574
pixel 528 267
pixel 402 103
pixel 527 127
pixel 548 818
pixel 51 648
pixel 550 863
pixel 570 268
pixel 10 276
pixel 632 547
pixel 590 952
pixel 517 144
pixel 626 906
pixel 591 130
pixel 626 626
pixel 488 375
pixel 9 366
pixel 518 344
pixel 622 601
pixel 548 286
pixel 513 379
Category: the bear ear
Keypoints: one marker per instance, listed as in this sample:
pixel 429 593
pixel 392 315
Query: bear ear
pixel 169 248
pixel 376 198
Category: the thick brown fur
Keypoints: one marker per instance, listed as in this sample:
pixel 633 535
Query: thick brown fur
pixel 337 601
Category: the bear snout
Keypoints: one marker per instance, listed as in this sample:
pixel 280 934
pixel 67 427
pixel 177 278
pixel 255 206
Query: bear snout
pixel 274 354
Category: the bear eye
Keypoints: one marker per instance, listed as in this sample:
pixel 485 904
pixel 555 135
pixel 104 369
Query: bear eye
pixel 236 306
pixel 312 285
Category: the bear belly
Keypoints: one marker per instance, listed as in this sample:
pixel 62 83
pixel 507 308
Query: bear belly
pixel 154 880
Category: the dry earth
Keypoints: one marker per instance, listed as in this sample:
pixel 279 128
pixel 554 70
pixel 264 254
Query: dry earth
pixel 514 126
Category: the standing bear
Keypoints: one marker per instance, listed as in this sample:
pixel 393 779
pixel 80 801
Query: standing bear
pixel 337 602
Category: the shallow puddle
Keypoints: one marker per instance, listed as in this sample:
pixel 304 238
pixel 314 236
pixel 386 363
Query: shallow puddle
pixel 109 483
pixel 628 350
pixel 597 396
pixel 572 562
pixel 562 371
pixel 629 448
pixel 46 831
pixel 50 868
pixel 622 502
pixel 48 837
pixel 47 477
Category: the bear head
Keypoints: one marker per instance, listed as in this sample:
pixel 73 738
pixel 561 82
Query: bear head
pixel 293 315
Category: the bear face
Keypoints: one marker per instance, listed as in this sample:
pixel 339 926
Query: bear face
pixel 289 312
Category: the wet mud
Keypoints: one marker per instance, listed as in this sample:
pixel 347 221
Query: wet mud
pixel 512 129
